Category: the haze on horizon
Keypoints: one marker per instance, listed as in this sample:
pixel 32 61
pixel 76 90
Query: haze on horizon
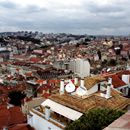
pixel 77 16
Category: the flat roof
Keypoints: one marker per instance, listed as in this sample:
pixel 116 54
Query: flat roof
pixel 62 110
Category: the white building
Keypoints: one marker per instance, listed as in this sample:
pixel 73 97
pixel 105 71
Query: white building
pixel 15 50
pixel 51 115
pixel 1 59
pixel 81 67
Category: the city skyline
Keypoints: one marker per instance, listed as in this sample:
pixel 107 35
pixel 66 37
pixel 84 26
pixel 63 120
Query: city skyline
pixel 78 17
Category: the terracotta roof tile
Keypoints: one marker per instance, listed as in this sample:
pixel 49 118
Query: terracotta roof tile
pixel 93 101
pixel 40 81
pixel 117 82
pixel 123 72
pixel 54 81
pixel 11 117
pixel 35 59
pixel 4 116
pixel 16 115
pixel 91 81
pixel 46 95
pixel 29 74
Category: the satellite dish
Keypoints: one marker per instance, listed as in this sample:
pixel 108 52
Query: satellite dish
pixel 70 87
pixel 81 91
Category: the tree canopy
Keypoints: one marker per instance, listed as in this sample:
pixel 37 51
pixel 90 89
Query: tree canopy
pixel 96 119
pixel 16 97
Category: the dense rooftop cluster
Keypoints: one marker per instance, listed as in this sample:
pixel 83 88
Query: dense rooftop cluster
pixel 74 72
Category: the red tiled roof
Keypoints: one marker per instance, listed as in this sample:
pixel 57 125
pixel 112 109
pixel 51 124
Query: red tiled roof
pixel 123 72
pixel 11 116
pixel 40 81
pixel 54 81
pixel 4 116
pixel 16 115
pixel 35 59
pixel 116 81
pixel 46 95
pixel 40 90
pixel 29 74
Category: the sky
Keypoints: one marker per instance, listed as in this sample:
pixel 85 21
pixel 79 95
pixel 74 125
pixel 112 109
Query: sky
pixel 108 17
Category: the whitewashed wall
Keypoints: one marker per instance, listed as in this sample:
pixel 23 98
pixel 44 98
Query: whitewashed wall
pixel 93 89
pixel 41 124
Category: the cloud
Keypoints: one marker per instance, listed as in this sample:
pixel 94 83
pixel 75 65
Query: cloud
pixel 79 16
pixel 94 8
pixel 8 5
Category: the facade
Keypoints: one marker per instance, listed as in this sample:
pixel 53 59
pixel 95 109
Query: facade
pixel 81 67
pixel 51 115
pixel 40 123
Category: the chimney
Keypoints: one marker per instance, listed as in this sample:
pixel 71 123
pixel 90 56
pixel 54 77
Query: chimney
pixel 75 80
pixel 47 112
pixel 108 92
pixel 110 81
pixel 61 87
pixel 82 82
pixel 126 78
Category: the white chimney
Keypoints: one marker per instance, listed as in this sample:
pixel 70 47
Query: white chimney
pixel 108 92
pixel 47 112
pixel 75 80
pixel 110 81
pixel 82 82
pixel 62 87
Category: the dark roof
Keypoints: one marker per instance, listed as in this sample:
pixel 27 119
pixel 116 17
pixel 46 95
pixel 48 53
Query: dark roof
pixel 4 51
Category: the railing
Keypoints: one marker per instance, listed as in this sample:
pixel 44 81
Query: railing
pixel 51 119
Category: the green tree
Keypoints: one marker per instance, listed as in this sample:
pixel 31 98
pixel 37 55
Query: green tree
pixel 112 62
pixel 95 119
pixel 16 97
